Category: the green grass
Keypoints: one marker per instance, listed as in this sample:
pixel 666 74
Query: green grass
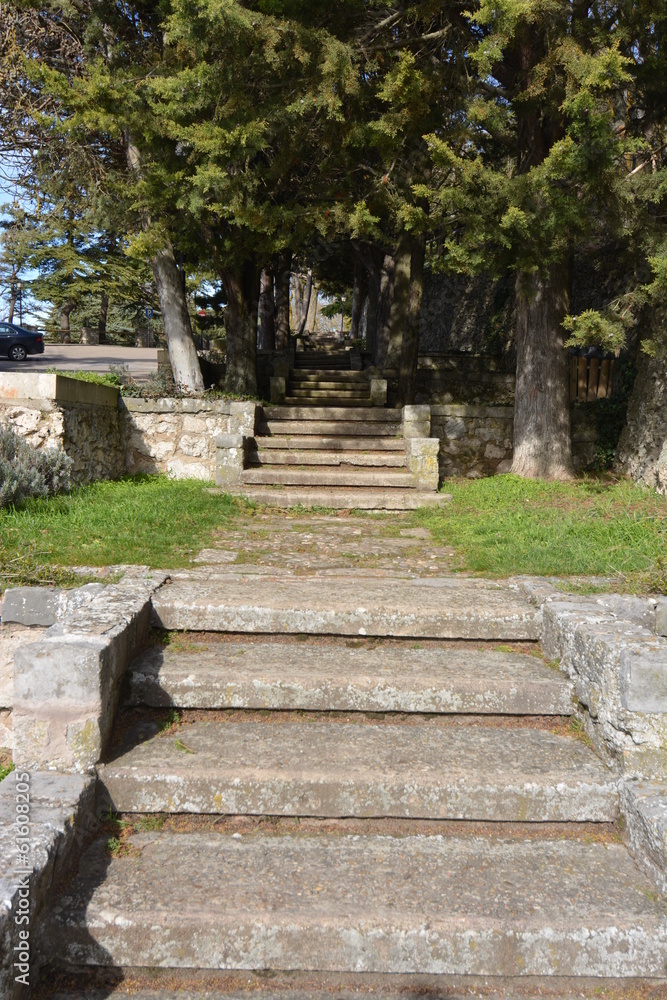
pixel 6 766
pixel 97 378
pixel 508 526
pixel 147 520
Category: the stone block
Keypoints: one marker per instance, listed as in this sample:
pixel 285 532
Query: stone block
pixel 619 671
pixel 66 685
pixel 229 459
pixel 45 605
pixel 278 390
pixel 661 616
pixel 644 808
pixel 379 391
pixel 422 459
pixel 243 418
pixel 61 815
pixel 416 421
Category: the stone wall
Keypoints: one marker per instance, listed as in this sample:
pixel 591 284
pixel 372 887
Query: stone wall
pixel 107 436
pixel 178 436
pixel 476 441
pixel 80 417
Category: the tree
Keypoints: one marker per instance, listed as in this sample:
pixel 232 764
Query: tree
pixel 537 164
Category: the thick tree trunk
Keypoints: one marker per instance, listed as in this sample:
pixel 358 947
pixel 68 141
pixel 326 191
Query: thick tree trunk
pixel 171 296
pixel 372 299
pixel 282 302
pixel 102 321
pixel 267 329
pixel 542 447
pixel 12 307
pixel 386 294
pixel 65 310
pixel 313 302
pixel 399 302
pixel 303 304
pixel 358 298
pixel 242 288
pixel 407 374
pixel 176 320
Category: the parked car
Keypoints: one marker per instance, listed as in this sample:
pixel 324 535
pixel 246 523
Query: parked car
pixel 17 343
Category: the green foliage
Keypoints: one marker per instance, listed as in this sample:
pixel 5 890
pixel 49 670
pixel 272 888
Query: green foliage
pixel 29 472
pixel 97 378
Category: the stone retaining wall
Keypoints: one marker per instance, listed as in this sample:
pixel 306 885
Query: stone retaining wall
pixel 107 436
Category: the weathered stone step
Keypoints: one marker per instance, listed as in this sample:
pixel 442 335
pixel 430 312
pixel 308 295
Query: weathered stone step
pixel 273 456
pixel 304 377
pixel 336 769
pixel 438 608
pixel 355 498
pixel 319 388
pixel 457 905
pixel 317 442
pixel 329 476
pixel 385 678
pixel 379 415
pixel 328 400
pixel 330 428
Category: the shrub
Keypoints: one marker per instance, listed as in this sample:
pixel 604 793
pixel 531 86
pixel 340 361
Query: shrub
pixel 27 472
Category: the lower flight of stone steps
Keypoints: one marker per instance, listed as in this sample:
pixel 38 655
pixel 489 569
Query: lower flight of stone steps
pixel 337 676
pixel 438 608
pixel 458 905
pixel 329 399
pixel 324 427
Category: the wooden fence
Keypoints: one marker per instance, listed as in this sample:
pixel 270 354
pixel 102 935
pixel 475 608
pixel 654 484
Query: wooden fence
pixel 590 378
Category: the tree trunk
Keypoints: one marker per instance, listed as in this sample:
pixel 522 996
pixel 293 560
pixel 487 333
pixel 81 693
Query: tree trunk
pixel 171 296
pixel 399 303
pixel 65 310
pixel 267 329
pixel 176 320
pixel 242 288
pixel 304 304
pixel 282 302
pixel 358 297
pixel 12 307
pixel 385 297
pixel 542 447
pixel 373 298
pixel 313 302
pixel 102 322
pixel 407 375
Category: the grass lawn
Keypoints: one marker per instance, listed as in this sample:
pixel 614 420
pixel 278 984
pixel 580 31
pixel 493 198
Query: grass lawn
pixel 143 520
pixel 507 526
pixel 497 527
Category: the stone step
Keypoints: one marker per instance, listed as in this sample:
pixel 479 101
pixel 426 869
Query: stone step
pixel 300 412
pixel 323 443
pixel 328 400
pixel 326 427
pixel 324 390
pixel 329 476
pixel 416 904
pixel 273 456
pixel 360 769
pixel 352 498
pixel 335 378
pixel 314 677
pixel 322 365
pixel 436 607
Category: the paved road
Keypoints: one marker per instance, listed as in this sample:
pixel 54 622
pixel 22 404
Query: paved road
pixel 141 361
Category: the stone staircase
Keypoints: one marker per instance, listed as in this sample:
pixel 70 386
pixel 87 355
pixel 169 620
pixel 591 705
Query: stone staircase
pixel 367 775
pixel 325 378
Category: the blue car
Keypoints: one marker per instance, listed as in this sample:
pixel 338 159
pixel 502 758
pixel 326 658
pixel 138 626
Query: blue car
pixel 17 343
